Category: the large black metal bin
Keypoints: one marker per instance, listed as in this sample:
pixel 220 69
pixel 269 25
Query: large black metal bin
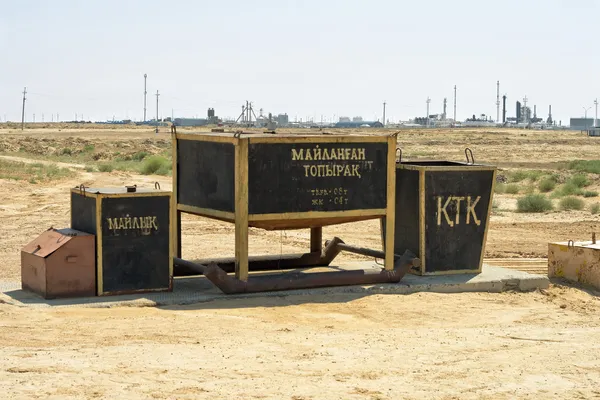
pixel 442 214
pixel 133 237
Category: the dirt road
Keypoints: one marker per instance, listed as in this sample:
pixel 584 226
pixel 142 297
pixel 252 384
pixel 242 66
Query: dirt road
pixel 421 346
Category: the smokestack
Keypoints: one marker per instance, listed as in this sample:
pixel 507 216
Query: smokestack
pixel 504 109
pixel 534 111
pixel 518 112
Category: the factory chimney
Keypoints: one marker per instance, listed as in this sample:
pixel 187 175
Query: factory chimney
pixel 534 111
pixel 549 120
pixel 518 112
pixel 444 114
pixel 504 109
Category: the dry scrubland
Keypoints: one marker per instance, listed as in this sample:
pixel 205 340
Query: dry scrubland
pixel 347 347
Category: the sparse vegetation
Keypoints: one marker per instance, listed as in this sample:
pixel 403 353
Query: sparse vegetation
pixel 90 168
pixel 139 156
pixel 512 188
pixel 568 189
pixel 547 185
pixel 88 148
pixel 105 167
pixel 517 176
pixel 156 165
pixel 500 188
pixel 66 151
pixel 34 173
pixel 579 180
pixel 590 166
pixel 571 203
pixel 590 193
pixel 595 208
pixel 534 203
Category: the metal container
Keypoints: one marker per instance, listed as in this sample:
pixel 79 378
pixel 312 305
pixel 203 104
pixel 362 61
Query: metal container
pixel 60 263
pixel 442 214
pixel 575 261
pixel 278 182
pixel 133 236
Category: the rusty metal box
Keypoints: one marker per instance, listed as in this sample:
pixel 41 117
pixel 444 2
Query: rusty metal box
pixel 575 261
pixel 133 237
pixel 60 263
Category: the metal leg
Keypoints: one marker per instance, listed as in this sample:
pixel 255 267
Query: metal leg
pixel 316 239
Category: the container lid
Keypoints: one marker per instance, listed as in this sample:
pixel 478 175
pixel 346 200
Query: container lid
pixel 129 189
pixel 51 240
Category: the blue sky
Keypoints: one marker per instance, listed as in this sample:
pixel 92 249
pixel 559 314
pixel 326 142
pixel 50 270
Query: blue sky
pixel 307 58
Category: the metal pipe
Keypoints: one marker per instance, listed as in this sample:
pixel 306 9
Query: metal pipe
pixel 294 280
pixel 416 262
pixel 265 263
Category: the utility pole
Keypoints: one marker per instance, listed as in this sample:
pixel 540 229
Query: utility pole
pixel 428 101
pixel 596 117
pixel 145 77
pixel 455 104
pixel 157 110
pixel 585 117
pixel 525 116
pixel 384 103
pixel 34 118
pixel 23 110
pixel 497 101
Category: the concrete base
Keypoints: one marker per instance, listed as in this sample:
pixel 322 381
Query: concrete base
pixel 191 290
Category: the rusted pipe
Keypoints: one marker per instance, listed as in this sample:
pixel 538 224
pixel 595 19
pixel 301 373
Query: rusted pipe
pixel 369 252
pixel 298 280
pixel 264 263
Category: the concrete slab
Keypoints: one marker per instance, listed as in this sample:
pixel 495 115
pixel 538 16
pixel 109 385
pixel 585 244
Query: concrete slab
pixel 191 290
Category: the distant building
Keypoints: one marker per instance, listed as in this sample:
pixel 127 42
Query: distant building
pixel 190 122
pixel 282 120
pixel 344 119
pixel 360 124
pixel 581 124
pixel 357 119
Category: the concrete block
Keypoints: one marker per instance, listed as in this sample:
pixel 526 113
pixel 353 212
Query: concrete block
pixel 575 261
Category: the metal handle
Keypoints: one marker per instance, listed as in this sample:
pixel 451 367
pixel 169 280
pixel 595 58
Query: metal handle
pixel 156 185
pixel 173 129
pixel 398 155
pixel 467 152
pixel 570 244
pixel 81 189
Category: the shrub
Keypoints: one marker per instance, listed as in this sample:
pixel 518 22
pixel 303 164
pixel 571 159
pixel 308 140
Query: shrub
pixel 88 148
pixel 105 167
pixel 579 181
pixel 517 176
pixel 66 151
pixel 569 189
pixel 534 203
pixel 153 164
pixel 571 203
pixel 590 193
pixel 90 168
pixel 595 208
pixel 139 156
pixel 512 188
pixel 546 185
pixel 591 166
pixel 495 204
pixel 500 188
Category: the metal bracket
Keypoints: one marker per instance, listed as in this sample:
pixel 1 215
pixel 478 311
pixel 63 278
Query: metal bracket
pixel 467 152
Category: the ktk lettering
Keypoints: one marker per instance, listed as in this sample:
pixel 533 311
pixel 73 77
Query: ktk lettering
pixel 466 201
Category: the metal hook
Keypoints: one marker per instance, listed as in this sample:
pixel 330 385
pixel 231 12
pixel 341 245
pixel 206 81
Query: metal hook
pixel 156 185
pixel 237 134
pixel 467 155
pixel 570 244
pixel 398 155
pixel 82 189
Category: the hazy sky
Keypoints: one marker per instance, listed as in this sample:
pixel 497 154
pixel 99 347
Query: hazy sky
pixel 306 58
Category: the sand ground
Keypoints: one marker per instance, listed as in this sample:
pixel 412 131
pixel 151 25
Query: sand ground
pixel 497 346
